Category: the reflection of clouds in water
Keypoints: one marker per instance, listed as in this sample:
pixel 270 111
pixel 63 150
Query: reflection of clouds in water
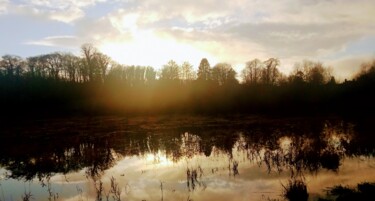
pixel 159 158
pixel 71 178
pixel 140 163
pixel 254 183
pixel 352 171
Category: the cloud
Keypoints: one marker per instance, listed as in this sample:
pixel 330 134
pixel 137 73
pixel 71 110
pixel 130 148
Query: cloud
pixel 348 67
pixel 57 41
pixel 290 30
pixel 66 11
pixel 62 4
pixel 192 11
pixel 318 12
pixel 3 6
pixel 307 40
pixel 225 31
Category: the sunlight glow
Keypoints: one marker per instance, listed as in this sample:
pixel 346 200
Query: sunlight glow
pixel 148 49
pixel 158 158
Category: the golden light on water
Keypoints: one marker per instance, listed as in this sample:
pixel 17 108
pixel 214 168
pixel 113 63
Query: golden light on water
pixel 158 158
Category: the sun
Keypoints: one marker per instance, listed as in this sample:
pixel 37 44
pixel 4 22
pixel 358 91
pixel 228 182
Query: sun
pixel 147 49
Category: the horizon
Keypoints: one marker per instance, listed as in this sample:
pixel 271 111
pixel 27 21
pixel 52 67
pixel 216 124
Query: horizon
pixel 150 33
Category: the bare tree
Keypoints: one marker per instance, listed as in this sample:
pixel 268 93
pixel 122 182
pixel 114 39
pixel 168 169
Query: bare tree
pixel 270 73
pixel 13 65
pixel 71 65
pixel 223 73
pixel 170 71
pixel 100 64
pixel 54 64
pixel 311 72
pixel 251 74
pixel 88 51
pixel 187 72
pixel 116 73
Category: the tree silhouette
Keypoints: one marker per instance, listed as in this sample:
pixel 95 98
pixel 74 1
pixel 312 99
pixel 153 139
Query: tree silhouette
pixel 93 83
pixel 270 73
pixel 54 64
pixel 223 73
pixel 12 65
pixel 88 51
pixel 311 72
pixel 204 70
pixel 71 65
pixel 101 62
pixel 251 74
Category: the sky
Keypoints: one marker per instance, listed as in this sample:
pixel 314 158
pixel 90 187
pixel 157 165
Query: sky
pixel 339 33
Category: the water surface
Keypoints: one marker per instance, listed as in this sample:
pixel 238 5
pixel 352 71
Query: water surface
pixel 181 158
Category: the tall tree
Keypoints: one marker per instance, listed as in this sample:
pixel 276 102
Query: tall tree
pixel 37 66
pixel 311 72
pixel 116 73
pixel 71 65
pixel 316 74
pixel 170 71
pixel 223 73
pixel 251 74
pixel 150 74
pixel 270 73
pixel 100 65
pixel 187 72
pixel 204 70
pixel 54 64
pixel 12 65
pixel 88 51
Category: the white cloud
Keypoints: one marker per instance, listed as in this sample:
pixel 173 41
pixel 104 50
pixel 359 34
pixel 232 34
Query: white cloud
pixel 318 12
pixel 286 40
pixel 67 16
pixel 62 4
pixel 66 11
pixel 57 41
pixel 232 31
pixel 347 67
pixel 3 6
pixel 285 29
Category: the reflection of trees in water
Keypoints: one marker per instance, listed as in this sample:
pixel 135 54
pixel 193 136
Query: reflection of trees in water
pixel 296 151
pixel 290 145
pixel 193 178
pixel 42 160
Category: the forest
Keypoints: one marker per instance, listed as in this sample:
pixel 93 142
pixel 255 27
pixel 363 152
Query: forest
pixel 65 84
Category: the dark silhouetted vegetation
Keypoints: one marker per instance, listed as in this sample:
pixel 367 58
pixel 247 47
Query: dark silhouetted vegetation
pixel 363 192
pixel 295 191
pixel 66 145
pixel 65 84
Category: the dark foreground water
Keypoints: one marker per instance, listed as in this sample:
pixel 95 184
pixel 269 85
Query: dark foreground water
pixel 181 158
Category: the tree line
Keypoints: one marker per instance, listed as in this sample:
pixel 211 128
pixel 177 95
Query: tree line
pixel 94 66
pixel 94 82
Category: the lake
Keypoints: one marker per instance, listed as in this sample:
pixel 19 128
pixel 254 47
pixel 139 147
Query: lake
pixel 186 158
